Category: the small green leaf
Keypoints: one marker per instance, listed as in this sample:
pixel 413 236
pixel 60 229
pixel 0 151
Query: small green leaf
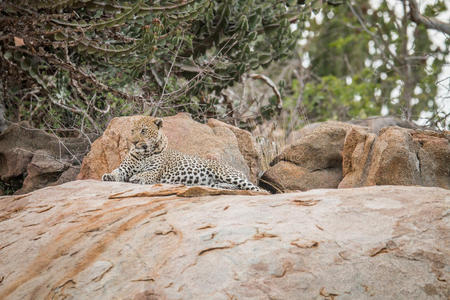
pixel 252 35
pixel 59 36
pixel 7 55
pixel 264 58
pixel 241 69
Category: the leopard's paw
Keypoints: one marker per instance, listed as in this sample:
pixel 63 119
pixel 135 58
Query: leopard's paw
pixel 108 177
pixel 137 179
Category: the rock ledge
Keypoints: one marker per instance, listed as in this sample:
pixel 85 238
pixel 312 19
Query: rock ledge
pixel 99 240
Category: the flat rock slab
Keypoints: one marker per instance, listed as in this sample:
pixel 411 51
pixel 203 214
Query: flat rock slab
pixel 100 240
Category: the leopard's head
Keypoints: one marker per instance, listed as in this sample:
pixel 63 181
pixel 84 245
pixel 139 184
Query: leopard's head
pixel 147 137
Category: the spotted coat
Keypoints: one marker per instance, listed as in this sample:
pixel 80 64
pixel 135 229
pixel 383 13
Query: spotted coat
pixel 151 161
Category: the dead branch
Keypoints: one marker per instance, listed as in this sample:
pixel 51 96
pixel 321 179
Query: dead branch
pixel 272 85
pixel 167 79
pixel 76 110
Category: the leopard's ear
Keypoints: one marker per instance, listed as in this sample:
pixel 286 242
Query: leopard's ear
pixel 158 122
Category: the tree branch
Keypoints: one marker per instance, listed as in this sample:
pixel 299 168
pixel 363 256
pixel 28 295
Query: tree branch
pixel 429 22
pixel 272 85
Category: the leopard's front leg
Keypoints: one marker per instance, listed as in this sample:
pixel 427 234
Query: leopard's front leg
pixel 129 166
pixel 147 177
pixel 115 175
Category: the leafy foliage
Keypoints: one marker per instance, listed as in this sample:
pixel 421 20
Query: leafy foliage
pixel 75 64
pixel 367 61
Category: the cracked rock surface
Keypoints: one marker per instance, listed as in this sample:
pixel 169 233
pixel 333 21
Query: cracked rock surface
pixel 396 156
pixel 341 155
pixel 312 161
pixel 38 159
pixel 99 240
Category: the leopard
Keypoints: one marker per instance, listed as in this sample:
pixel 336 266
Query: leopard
pixel 151 161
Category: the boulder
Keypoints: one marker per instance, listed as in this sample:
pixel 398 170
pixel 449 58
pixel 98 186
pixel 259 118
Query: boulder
pixel 313 161
pixel 398 156
pixel 38 158
pixel 42 171
pixel 336 154
pixel 295 135
pixel 372 124
pixel 249 148
pixel 100 240
pixel 216 141
pixel 287 176
pixel 376 123
pixel 356 155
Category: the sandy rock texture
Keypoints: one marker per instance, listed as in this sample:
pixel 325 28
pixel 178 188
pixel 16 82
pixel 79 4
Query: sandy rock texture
pixel 371 124
pixel 376 123
pixel 99 240
pixel 313 161
pixel 396 156
pixel 342 155
pixel 249 148
pixel 38 158
pixel 215 140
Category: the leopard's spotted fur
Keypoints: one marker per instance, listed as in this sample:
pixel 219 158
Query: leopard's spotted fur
pixel 151 161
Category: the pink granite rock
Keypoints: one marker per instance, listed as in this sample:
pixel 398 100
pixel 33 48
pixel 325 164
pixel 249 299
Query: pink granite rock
pixel 100 240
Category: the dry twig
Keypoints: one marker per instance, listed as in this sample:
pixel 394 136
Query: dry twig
pixel 272 85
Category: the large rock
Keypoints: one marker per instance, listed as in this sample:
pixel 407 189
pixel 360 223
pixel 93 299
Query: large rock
pixel 313 161
pixel 356 154
pixel 97 240
pixel 376 123
pixel 296 135
pixel 287 176
pixel 371 124
pixel 336 154
pixel 397 156
pixel 38 158
pixel 248 147
pixel 216 141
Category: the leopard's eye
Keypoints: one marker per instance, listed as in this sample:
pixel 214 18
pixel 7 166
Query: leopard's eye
pixel 143 130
